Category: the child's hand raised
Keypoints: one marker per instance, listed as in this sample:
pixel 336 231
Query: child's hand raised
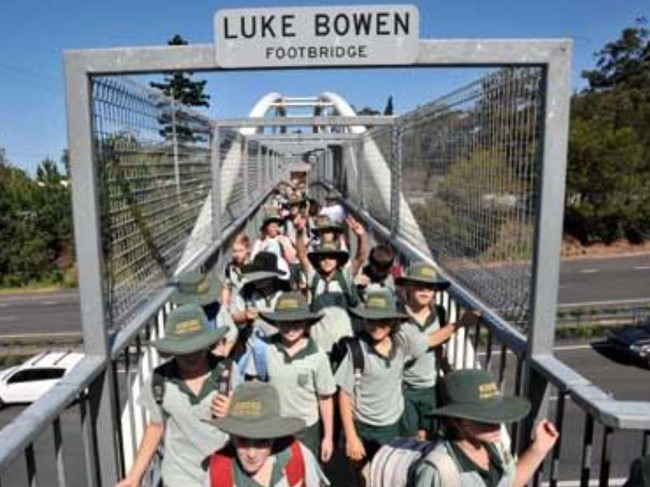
pixel 355 226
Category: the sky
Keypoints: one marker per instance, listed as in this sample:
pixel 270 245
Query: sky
pixel 36 32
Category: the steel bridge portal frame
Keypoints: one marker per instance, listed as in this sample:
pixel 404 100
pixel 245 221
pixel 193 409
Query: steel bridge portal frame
pixel 553 56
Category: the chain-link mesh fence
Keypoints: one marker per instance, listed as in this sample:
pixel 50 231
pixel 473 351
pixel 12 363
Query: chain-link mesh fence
pixel 469 175
pixel 153 169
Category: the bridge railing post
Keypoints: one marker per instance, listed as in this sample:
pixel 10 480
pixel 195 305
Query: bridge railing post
pixel 395 178
pixel 87 223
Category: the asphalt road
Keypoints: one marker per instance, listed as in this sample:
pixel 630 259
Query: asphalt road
pixel 621 279
pixel 623 380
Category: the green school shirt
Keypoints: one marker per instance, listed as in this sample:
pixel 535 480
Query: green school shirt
pixel 422 373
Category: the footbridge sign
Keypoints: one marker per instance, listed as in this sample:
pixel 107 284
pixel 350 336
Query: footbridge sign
pixel 317 36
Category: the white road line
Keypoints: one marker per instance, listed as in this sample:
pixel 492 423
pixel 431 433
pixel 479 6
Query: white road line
pixel 8 318
pixel 588 271
pixel 3 305
pixel 641 268
pixel 598 303
pixel 561 348
pixel 49 303
pixel 592 483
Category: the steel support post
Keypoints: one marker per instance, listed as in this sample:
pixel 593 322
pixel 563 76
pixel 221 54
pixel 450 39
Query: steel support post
pixel 548 232
pixel 260 172
pixel 215 165
pixel 358 151
pixel 177 171
pixel 88 244
pixel 395 178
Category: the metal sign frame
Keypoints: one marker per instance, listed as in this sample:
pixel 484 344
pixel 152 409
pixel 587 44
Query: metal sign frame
pixel 553 56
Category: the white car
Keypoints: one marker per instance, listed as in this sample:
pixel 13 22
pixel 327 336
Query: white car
pixel 27 382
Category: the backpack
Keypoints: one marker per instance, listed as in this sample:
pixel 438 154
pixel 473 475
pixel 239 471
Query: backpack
pixel 258 353
pixel 396 464
pixel 163 371
pixel 351 297
pixel 221 467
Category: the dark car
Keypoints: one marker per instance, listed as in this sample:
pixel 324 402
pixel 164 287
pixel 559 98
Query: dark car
pixel 634 341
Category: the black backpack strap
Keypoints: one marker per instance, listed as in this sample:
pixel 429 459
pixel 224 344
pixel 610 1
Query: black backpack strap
pixel 351 295
pixel 356 355
pixel 441 312
pixel 158 378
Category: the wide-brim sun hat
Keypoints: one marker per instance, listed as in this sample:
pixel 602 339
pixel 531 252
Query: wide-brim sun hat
pixel 254 413
pixel 421 272
pixel 472 394
pixel 328 250
pixel 263 266
pixel 291 307
pixel 187 331
pixel 379 305
pixel 324 223
pixel 194 288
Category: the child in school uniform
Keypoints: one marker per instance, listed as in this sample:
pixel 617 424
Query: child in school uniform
pixel 301 372
pixel 272 240
pixel 234 271
pixel 262 451
pixel 370 390
pixel 420 283
pixel 184 397
pixel 202 289
pixel 329 283
pixel 471 453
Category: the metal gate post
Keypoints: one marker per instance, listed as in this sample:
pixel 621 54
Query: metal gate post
pixel 215 165
pixel 548 232
pixel 358 151
pixel 88 244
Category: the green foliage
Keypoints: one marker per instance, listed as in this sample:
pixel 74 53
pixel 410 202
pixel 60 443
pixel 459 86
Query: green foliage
pixel 608 177
pixel 35 225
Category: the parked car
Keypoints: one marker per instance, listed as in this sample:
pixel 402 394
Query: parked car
pixel 27 382
pixel 633 341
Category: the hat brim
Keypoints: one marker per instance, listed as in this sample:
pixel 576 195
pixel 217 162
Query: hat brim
pixel 275 318
pixel 183 346
pixel 377 314
pixel 341 256
pixel 438 284
pixel 505 410
pixel 260 276
pixel 268 221
pixel 327 228
pixel 261 429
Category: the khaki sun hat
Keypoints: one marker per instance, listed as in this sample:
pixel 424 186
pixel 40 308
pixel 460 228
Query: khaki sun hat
pixel 421 272
pixel 379 305
pixel 254 413
pixel 291 307
pixel 187 331
pixel 195 288
pixel 328 249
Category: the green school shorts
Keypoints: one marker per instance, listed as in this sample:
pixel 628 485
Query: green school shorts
pixel 373 437
pixel 418 403
pixel 311 438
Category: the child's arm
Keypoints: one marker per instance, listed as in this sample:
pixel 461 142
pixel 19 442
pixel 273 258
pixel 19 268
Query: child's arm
pixel 362 245
pixel 301 247
pixel 353 446
pixel 225 294
pixel 545 437
pixel 152 437
pixel 438 337
pixel 326 409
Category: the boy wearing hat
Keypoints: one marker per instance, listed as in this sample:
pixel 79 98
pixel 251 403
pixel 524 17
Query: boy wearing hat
pixel 329 284
pixel 377 273
pixel 420 284
pixel 262 451
pixel 370 390
pixel 261 288
pixel 184 397
pixel 197 288
pixel 295 204
pixel 301 372
pixel 473 410
pixel 325 230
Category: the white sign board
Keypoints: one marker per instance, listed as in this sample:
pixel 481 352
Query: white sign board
pixel 317 36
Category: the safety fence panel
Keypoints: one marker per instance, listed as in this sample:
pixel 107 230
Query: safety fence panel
pixel 374 164
pixel 469 165
pixel 254 182
pixel 153 168
pixel 233 193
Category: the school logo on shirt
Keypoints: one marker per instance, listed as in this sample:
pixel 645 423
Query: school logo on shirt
pixel 303 379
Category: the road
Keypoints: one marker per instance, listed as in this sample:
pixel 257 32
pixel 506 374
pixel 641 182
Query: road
pixel 621 279
pixel 624 381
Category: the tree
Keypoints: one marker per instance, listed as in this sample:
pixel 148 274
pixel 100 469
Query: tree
pixel 389 106
pixel 608 177
pixel 179 86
